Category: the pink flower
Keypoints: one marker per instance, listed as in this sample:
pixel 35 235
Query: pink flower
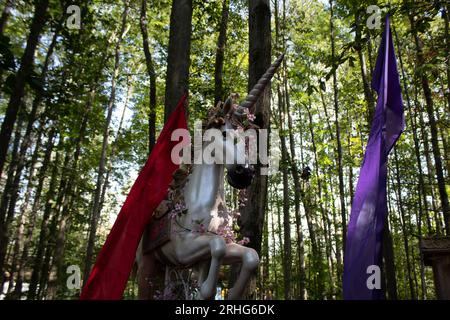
pixel 251 117
pixel 200 228
pixel 244 241
pixel 173 214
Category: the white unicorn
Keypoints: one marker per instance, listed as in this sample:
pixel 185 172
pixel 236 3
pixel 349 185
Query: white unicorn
pixel 196 211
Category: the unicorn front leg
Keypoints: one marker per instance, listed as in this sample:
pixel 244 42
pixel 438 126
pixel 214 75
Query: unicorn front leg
pixel 200 248
pixel 249 259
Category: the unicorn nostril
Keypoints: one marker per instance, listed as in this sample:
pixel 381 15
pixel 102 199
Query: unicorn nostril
pixel 240 176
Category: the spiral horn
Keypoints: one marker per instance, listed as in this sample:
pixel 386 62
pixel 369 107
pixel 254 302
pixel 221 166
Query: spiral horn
pixel 258 89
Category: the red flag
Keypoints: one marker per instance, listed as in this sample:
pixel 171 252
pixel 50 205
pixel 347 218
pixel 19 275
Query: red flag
pixel 110 274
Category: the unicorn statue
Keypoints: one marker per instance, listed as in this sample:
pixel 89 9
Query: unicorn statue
pixel 191 228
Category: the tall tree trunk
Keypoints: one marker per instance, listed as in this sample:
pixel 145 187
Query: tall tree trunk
pixel 152 75
pixel 252 219
pixel 26 66
pixel 95 215
pixel 315 271
pixel 287 250
pixel 5 199
pixel 446 16
pixel 178 59
pixel 287 260
pixel 297 193
pixel 433 128
pixel 220 53
pixel 338 129
pixel 265 267
pixel 115 143
pixel 362 63
pixel 403 225
pixel 274 285
pixel 279 228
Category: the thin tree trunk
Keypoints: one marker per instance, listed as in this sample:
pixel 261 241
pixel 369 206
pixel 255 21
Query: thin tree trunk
pixel 338 129
pixel 403 225
pixel 280 229
pixel 297 194
pixel 265 276
pixel 152 75
pixel 115 143
pixel 445 15
pixel 287 250
pixel 362 62
pixel 287 260
pixel 5 201
pixel 26 66
pixel 220 53
pixel 274 254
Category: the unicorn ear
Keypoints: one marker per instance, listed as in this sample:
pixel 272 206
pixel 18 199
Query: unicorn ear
pixel 227 105
pixel 232 99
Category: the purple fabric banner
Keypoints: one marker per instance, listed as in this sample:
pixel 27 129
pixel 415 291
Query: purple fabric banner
pixel 365 229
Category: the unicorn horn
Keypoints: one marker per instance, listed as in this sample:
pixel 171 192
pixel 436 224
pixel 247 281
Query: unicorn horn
pixel 258 89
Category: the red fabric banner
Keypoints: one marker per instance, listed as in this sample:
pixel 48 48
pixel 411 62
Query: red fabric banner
pixel 110 273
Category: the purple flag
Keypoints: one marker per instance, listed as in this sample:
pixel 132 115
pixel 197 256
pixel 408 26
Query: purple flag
pixel 363 256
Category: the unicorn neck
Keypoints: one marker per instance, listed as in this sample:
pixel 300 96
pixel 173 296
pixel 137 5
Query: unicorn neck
pixel 205 186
